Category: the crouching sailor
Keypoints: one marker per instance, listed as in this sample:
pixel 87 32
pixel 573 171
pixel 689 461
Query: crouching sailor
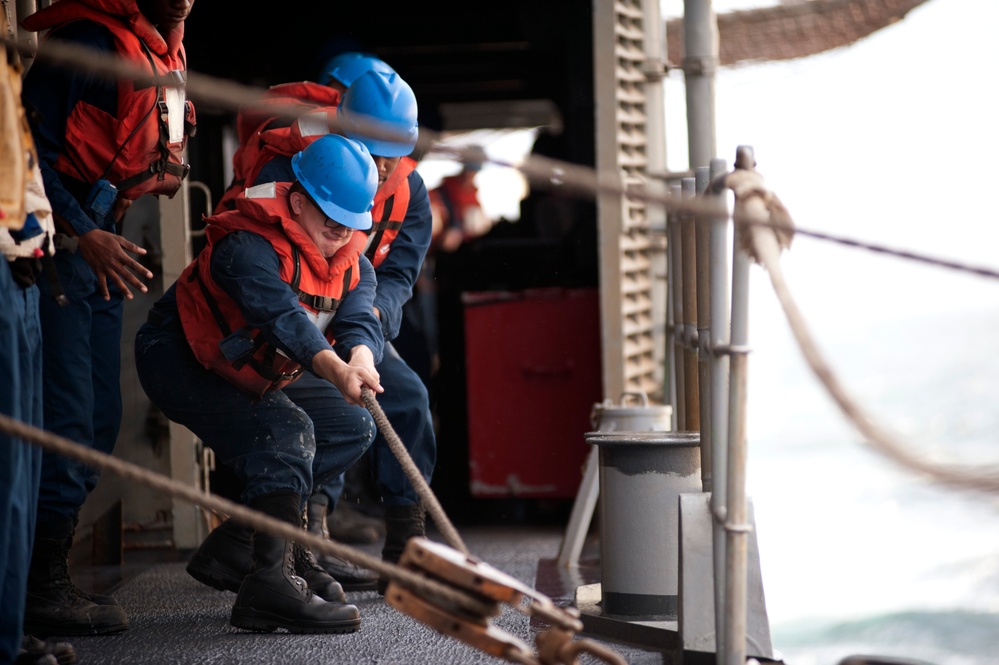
pixel 281 287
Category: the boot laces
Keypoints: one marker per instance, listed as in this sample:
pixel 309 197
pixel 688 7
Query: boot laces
pixel 306 560
pixel 292 573
pixel 59 575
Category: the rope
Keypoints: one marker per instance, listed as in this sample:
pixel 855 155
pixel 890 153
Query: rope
pixel 877 248
pixel 767 251
pixel 427 497
pixel 541 172
pixel 254 519
pixel 422 586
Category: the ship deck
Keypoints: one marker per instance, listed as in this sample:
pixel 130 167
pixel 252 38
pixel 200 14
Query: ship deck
pixel 175 619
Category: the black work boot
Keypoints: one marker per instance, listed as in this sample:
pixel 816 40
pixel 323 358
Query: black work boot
pixel 348 525
pixel 349 575
pixel 273 596
pixel 321 582
pixel 54 606
pixel 224 558
pixel 401 524
pixel 37 652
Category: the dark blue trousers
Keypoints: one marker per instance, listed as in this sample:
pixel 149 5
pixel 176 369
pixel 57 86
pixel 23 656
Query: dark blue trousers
pixel 20 462
pixel 285 441
pixel 82 371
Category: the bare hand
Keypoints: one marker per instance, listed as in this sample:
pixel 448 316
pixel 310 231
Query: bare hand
pixel 106 253
pixel 350 377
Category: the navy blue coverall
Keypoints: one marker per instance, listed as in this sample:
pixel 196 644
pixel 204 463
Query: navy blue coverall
pixel 290 439
pixel 405 401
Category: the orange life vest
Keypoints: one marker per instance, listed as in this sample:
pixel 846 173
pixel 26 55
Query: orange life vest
pixel 213 324
pixel 263 135
pixel 141 150
pixel 390 206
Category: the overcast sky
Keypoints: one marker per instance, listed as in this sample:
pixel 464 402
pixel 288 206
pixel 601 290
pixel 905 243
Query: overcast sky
pixel 893 139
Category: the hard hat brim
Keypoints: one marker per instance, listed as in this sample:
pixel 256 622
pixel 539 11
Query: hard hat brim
pixel 360 221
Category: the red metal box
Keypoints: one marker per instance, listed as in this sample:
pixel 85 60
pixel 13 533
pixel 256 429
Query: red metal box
pixel 533 375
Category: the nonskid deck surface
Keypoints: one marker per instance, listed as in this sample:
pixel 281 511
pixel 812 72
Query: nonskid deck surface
pixel 175 619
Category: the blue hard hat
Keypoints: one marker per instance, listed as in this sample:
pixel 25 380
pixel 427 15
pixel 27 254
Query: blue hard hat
pixel 346 67
pixel 382 98
pixel 341 178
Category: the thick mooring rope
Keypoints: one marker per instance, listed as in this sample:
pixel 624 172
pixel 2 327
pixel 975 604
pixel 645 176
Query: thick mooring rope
pixel 427 497
pixel 766 250
pixel 252 518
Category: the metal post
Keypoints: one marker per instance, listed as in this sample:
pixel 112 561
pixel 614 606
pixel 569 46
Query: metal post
pixel 702 235
pixel 688 248
pixel 672 379
pixel 676 313
pixel 28 40
pixel 175 239
pixel 736 522
pixel 700 60
pixel 720 233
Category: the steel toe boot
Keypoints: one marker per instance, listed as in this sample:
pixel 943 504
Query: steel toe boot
pixel 349 575
pixel 401 524
pixel 224 557
pixel 322 583
pixel 37 652
pixel 25 658
pixel 272 596
pixel 347 525
pixel 55 606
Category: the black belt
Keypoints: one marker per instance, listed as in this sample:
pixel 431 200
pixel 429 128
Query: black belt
pixel 170 322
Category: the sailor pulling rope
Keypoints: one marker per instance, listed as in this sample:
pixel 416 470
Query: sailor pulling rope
pixel 470 606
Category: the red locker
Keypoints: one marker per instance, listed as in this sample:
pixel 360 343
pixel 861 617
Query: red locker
pixel 533 375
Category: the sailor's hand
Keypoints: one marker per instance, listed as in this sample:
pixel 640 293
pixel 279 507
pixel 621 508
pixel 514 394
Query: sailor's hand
pixel 363 362
pixel 107 254
pixel 356 378
pixel 361 356
pixel 350 377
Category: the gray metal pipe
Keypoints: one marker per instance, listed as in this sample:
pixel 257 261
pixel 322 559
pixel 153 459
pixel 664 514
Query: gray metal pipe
pixel 720 232
pixel 688 249
pixel 736 521
pixel 702 238
pixel 675 315
pixel 27 40
pixel 700 60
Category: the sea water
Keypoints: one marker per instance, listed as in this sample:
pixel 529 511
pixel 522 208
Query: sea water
pixel 858 555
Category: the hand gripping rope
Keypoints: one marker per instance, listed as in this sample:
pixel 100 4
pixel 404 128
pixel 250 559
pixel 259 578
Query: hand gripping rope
pixel 440 586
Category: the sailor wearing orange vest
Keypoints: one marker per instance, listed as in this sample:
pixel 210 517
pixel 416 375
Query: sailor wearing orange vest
pixel 397 243
pixel 280 288
pixel 265 130
pixel 101 144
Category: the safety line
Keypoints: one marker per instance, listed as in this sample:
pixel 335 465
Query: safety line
pixel 545 172
pixel 423 490
pixel 541 172
pixel 252 518
pixel 765 248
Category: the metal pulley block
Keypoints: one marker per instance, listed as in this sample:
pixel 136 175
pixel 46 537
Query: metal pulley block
pixel 490 587
pixel 477 632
